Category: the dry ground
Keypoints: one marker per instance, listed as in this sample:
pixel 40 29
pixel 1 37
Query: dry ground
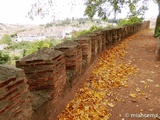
pixel 143 92
pixel 134 98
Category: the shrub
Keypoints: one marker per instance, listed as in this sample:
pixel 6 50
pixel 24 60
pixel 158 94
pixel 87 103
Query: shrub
pixel 13 35
pixel 94 28
pixel 6 39
pixel 123 22
pixel 83 32
pixel 130 21
pixel 4 58
pixel 16 57
pixel 109 26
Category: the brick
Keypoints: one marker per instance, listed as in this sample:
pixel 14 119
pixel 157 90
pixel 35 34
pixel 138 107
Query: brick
pixel 15 85
pixel 85 43
pixel 15 89
pixel 73 55
pixel 100 40
pixel 94 44
pixel 43 64
pixel 7 82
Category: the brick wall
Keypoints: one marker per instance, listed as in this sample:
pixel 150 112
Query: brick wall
pixel 15 102
pixel 85 43
pixel 73 57
pixel 94 44
pixel 51 72
pixel 45 70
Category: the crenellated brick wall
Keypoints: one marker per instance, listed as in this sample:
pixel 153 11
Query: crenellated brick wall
pixel 45 70
pixel 48 78
pixel 85 43
pixel 15 100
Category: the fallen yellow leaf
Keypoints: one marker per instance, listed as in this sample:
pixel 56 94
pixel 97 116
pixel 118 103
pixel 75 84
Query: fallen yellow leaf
pixel 110 104
pixel 138 89
pixel 149 80
pixel 132 95
pixel 157 85
pixel 144 82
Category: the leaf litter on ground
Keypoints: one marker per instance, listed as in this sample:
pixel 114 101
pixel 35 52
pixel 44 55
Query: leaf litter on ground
pixel 91 102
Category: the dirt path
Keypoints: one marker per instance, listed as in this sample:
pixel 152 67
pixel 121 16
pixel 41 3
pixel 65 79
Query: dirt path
pixel 114 91
pixel 143 92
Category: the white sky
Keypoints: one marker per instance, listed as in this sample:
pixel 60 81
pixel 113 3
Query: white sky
pixel 15 11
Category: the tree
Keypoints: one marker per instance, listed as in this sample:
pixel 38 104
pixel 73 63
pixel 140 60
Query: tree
pixel 158 17
pixel 101 8
pixel 6 39
pixel 157 34
pixel 135 7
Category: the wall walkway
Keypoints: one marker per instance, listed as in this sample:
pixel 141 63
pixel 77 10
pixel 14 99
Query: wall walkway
pixel 42 83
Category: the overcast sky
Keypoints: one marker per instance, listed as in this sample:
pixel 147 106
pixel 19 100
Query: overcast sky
pixel 15 11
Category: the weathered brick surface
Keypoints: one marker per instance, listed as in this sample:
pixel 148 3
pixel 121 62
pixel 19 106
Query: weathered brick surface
pixel 114 35
pixel 94 44
pixel 122 33
pixel 73 57
pixel 103 33
pixel 15 99
pixel 45 70
pixel 108 37
pixel 85 43
pixel 101 37
pixel 117 34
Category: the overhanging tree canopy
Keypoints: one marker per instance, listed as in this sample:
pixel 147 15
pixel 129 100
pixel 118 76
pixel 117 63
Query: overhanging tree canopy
pixel 104 8
pixel 101 8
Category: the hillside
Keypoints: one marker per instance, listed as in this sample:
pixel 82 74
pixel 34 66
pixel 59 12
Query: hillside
pixel 55 29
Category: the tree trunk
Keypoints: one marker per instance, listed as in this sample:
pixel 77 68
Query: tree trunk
pixel 157 26
pixel 158 52
pixel 158 18
pixel 157 23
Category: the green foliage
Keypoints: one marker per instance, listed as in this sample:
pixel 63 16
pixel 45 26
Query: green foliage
pixel 16 57
pixel 24 53
pixel 100 7
pixel 83 32
pixel 123 22
pixel 30 47
pixel 94 28
pixel 17 50
pixel 48 25
pixel 132 20
pixel 109 26
pixel 4 58
pixel 13 35
pixel 81 20
pixel 6 39
pixel 157 34
pixel 18 45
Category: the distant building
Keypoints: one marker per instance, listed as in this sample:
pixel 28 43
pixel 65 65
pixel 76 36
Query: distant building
pixel 26 36
pixel 67 33
pixel 30 38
